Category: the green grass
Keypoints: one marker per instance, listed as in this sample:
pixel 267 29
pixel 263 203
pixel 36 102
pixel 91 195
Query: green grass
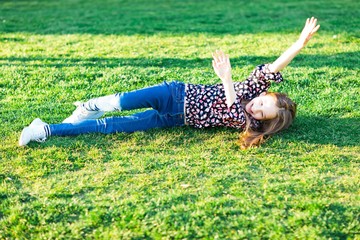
pixel 181 182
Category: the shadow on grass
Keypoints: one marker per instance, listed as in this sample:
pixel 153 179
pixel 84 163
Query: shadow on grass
pixel 314 61
pixel 333 216
pixel 173 17
pixel 324 130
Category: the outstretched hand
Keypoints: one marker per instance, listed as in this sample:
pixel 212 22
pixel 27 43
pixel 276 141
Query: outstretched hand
pixel 308 31
pixel 221 65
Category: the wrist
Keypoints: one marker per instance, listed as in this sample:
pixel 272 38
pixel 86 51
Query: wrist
pixel 299 44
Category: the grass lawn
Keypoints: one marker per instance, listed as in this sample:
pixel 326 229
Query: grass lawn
pixel 178 183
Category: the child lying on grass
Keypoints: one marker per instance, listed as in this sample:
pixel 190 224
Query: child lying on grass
pixel 246 106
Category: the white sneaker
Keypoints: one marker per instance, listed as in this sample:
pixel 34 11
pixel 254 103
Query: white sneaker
pixel 34 132
pixel 81 113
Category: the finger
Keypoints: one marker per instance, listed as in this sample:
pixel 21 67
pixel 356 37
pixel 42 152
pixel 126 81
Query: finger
pixel 215 53
pixel 315 29
pixel 215 57
pixel 310 24
pixel 218 54
pixel 314 22
pixel 228 60
pixel 222 57
pixel 215 65
pixel 312 19
pixel 307 24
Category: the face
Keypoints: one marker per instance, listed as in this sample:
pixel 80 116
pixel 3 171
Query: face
pixel 262 107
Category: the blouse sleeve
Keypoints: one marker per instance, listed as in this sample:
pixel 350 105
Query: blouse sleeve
pixel 259 81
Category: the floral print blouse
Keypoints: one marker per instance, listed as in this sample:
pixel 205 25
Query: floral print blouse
pixel 205 105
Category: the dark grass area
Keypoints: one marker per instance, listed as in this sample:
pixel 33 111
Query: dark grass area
pixel 127 17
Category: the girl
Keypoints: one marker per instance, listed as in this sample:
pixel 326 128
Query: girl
pixel 243 105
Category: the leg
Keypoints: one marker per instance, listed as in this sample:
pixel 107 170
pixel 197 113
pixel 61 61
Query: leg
pixel 138 122
pixel 150 97
pixel 104 104
pixel 158 97
pixel 94 108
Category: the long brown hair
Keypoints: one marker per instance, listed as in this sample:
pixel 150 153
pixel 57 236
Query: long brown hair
pixel 285 116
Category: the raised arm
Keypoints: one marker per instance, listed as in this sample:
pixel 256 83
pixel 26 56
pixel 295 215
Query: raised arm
pixel 222 68
pixel 306 34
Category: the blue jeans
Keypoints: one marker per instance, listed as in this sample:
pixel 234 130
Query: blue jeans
pixel 166 101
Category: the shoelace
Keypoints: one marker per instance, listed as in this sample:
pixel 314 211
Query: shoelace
pixel 84 113
pixel 41 140
pixel 79 113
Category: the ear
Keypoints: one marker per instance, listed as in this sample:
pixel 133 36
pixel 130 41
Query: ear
pixel 263 94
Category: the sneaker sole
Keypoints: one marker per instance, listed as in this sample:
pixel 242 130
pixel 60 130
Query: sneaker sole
pixel 22 141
